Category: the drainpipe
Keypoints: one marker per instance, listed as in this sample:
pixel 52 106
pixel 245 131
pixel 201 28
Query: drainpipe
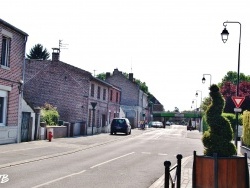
pixel 20 97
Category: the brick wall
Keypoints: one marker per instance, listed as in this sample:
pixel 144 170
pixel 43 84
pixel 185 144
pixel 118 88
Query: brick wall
pixel 105 107
pixel 130 95
pixel 129 89
pixel 13 73
pixel 114 104
pixel 59 84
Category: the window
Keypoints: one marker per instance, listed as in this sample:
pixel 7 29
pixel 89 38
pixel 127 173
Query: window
pixel 104 94
pixel 92 90
pixel 117 95
pixel 98 92
pixel 5 54
pixel 3 107
pixel 111 95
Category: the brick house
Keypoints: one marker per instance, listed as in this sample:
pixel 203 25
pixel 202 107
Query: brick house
pixel 12 53
pixel 134 101
pixel 106 100
pixel 59 84
pixel 72 90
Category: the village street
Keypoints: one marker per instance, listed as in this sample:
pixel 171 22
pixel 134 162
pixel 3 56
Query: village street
pixel 102 160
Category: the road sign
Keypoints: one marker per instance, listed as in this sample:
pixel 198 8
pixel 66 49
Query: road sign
pixel 238 101
pixel 237 109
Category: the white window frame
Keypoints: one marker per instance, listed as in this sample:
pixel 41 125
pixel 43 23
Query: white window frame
pixel 4 95
pixel 5 52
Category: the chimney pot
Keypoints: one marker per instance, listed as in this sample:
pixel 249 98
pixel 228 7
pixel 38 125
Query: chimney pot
pixel 130 77
pixel 107 74
pixel 55 54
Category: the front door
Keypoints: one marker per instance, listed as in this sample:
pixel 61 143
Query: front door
pixel 25 126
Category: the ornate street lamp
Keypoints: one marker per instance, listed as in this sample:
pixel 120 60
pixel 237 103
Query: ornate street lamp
pixel 224 34
pixel 224 37
pixel 196 94
pixel 195 104
pixel 195 111
pixel 204 79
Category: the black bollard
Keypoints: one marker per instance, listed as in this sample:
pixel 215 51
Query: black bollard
pixel 179 157
pixel 167 165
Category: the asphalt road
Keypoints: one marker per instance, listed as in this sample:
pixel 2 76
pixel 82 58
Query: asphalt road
pixel 110 161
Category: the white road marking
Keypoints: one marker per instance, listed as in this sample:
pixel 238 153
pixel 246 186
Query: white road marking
pixel 146 153
pixel 58 179
pixel 112 160
pixel 162 154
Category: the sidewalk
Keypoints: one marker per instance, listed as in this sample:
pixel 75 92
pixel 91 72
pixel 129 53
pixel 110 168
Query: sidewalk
pixel 186 172
pixel 186 175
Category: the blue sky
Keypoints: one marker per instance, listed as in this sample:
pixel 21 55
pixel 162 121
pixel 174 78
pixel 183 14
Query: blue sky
pixel 168 45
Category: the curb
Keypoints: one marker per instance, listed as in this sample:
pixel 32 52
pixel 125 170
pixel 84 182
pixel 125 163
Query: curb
pixel 160 182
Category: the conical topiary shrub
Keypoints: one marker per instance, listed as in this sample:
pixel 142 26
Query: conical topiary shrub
pixel 220 134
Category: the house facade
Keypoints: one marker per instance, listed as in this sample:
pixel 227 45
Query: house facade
pixel 12 53
pixel 59 84
pixel 134 101
pixel 104 105
pixel 78 96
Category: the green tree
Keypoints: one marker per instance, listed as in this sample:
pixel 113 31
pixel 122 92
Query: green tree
pixel 176 109
pixel 220 134
pixel 206 102
pixel 101 76
pixel 38 52
pixel 232 77
pixel 49 114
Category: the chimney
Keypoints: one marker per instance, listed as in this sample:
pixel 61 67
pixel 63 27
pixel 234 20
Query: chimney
pixel 107 74
pixel 116 71
pixel 130 77
pixel 55 54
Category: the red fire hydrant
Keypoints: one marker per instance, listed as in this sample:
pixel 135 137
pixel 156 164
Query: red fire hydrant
pixel 50 136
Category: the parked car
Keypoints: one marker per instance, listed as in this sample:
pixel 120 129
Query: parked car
pixel 156 124
pixel 121 125
pixel 168 123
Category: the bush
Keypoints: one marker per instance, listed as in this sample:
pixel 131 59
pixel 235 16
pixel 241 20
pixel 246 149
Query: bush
pixel 204 123
pixel 220 134
pixel 246 128
pixel 49 114
pixel 232 119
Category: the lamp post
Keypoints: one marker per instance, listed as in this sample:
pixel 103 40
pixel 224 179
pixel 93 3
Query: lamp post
pixel 204 79
pixel 195 109
pixel 93 104
pixel 196 94
pixel 195 103
pixel 224 37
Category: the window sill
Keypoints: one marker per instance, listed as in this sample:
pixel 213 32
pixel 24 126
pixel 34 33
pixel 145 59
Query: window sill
pixel 4 67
